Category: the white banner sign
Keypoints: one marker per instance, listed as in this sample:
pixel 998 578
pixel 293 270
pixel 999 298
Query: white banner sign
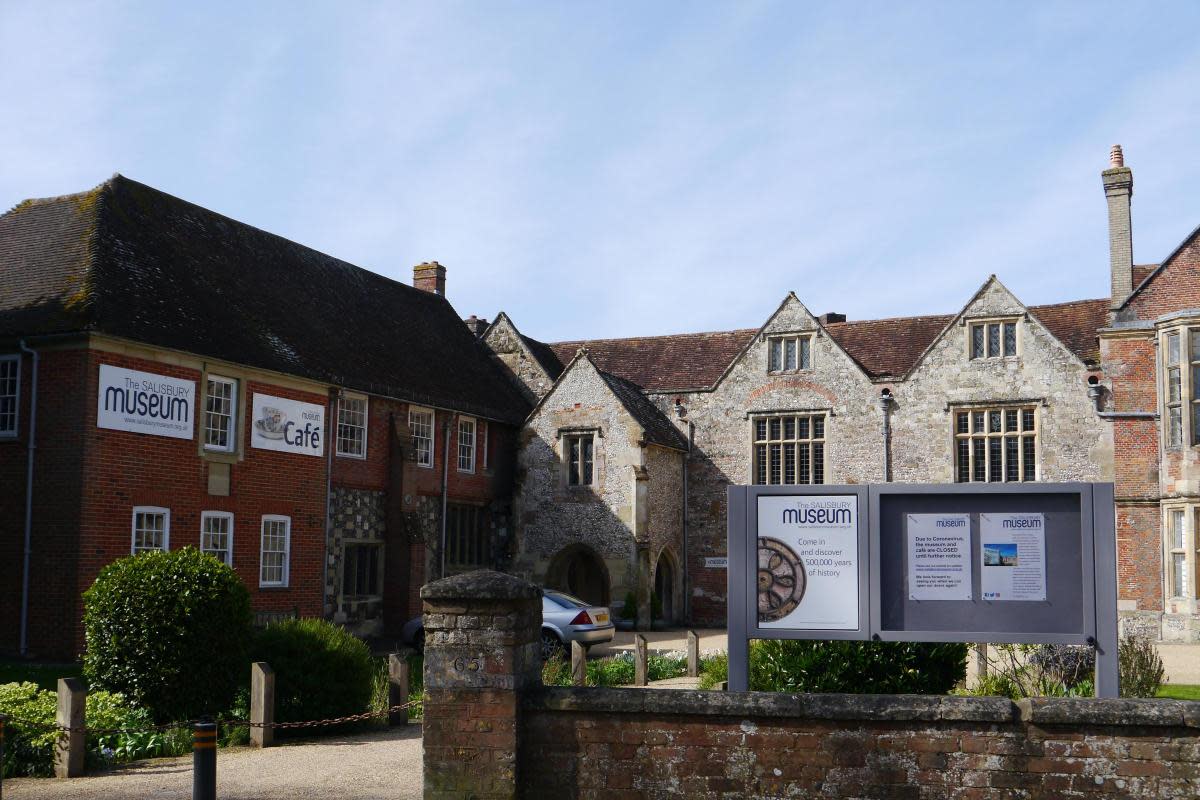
pixel 142 402
pixel 1012 548
pixel 939 556
pixel 287 425
pixel 807 571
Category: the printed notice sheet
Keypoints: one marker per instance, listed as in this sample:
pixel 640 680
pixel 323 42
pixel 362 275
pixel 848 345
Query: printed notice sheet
pixel 1013 556
pixel 939 556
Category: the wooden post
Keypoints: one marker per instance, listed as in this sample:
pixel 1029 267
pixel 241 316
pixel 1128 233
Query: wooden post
pixel 578 664
pixel 981 660
pixel 398 687
pixel 68 749
pixel 262 704
pixel 693 653
pixel 639 660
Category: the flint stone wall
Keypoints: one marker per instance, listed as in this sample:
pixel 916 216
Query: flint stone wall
pixel 620 743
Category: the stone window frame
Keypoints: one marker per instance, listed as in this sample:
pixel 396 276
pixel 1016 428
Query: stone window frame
pixel 1022 433
pixel 359 545
pixel 232 417
pixel 803 341
pixel 349 425
pixel 135 529
pixel 462 538
pixel 1186 406
pixel 421 411
pixel 564 467
pixel 1183 547
pixel 467 452
pixel 985 324
pixel 11 431
pixel 282 583
pixel 577 468
pixel 228 517
pixel 241 379
pixel 812 442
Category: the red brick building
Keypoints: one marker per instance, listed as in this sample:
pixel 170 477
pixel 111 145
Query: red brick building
pixel 170 377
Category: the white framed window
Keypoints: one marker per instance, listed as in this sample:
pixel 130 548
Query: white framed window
pixel 995 445
pixel 151 529
pixel 485 431
pixel 216 535
pixel 1173 389
pixel 220 413
pixel 1177 553
pixel 466 444
pixel 275 550
pixel 352 426
pixel 789 353
pixel 993 339
pixel 10 394
pixel 789 449
pixel 420 425
pixel 580 457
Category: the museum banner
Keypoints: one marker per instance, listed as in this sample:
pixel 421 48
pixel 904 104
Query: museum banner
pixel 288 426
pixel 145 402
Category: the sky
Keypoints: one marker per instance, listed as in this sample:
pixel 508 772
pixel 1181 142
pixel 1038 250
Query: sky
pixel 619 169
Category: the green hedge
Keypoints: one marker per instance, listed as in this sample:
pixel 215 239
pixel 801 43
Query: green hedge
pixel 169 631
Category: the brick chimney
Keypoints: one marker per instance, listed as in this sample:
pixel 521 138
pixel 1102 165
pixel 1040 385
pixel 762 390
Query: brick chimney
pixel 1118 189
pixel 476 325
pixel 831 316
pixel 430 277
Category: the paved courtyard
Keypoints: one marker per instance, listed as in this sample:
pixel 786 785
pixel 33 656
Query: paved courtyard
pixel 381 765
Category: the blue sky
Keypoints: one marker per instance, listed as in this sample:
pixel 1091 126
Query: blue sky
pixel 620 169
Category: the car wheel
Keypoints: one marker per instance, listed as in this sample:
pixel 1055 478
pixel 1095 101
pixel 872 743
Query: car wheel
pixel 552 646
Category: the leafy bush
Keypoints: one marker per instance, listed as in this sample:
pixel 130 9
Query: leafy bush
pixel 31 752
pixel 168 631
pixel 1067 664
pixel 1141 669
pixel 856 667
pixel 714 670
pixel 321 670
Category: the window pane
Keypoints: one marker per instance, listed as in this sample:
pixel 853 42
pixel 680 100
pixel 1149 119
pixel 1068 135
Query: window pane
pixel 818 424
pixel 789 354
pixel 573 463
pixel 760 430
pixel 976 341
pixel 805 472
pixel 789 463
pixel 1010 338
pixel 1174 426
pixel 805 353
pixel 1172 348
pixel 776 355
pixel 1173 385
pixel 803 428
pixel 1012 459
pixel 977 420
pixel 994 461
pixel 1029 445
pixel 218 413
pixel 9 371
pixel 214 537
pixel 1010 420
pixel 776 464
pixel 993 422
pixel 978 446
pixel 789 428
pixel 1027 419
pixel 964 423
pixel 1177 531
pixel 760 464
pixel 352 426
pixel 776 426
pixel 420 424
pixel 1196 422
pixel 1178 586
pixel 993 340
pixel 963 473
pixel 818 462
pixel 466 445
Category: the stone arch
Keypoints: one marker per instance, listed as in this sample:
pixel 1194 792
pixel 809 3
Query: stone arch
pixel 577 570
pixel 668 585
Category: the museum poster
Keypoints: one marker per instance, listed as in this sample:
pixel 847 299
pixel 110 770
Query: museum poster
pixel 808 562
pixel 1012 554
pixel 939 556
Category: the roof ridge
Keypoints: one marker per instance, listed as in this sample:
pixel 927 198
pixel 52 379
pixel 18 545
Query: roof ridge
pixel 566 342
pixel 1071 303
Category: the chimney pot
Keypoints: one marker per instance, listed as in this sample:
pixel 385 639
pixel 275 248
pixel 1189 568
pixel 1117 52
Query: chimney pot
pixel 430 277
pixel 1116 157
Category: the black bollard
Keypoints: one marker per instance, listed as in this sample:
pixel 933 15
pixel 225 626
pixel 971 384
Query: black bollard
pixel 204 761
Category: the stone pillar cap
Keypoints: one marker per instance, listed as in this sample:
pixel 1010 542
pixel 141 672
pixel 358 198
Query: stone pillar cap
pixel 482 584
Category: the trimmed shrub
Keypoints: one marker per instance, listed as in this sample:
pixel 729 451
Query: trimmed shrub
pixel 169 632
pixel 1141 669
pixel 321 670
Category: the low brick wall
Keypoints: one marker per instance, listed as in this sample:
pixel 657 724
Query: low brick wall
pixel 623 743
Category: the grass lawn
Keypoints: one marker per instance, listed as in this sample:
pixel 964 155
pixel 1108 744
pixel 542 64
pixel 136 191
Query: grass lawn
pixel 44 675
pixel 1180 691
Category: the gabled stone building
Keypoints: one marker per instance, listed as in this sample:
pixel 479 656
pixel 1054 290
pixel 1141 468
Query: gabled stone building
pixel 1001 391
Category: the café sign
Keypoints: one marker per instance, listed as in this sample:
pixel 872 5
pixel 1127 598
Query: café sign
pixel 288 426
pixel 144 402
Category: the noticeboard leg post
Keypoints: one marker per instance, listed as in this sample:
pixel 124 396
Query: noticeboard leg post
pixel 1108 672
pixel 736 596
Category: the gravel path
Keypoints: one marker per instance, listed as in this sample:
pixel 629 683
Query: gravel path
pixel 384 765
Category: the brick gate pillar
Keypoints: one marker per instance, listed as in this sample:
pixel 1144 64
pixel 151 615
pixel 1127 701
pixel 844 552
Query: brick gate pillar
pixel 482 651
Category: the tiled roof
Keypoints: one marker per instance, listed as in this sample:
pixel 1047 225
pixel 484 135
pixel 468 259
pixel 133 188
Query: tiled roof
pixel 658 428
pixel 130 261
pixel 662 363
pixel 884 348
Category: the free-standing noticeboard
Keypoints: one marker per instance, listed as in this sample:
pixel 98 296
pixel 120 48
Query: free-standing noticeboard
pixel 1023 563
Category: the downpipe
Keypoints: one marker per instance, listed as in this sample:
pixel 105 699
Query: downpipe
pixel 445 490
pixel 31 450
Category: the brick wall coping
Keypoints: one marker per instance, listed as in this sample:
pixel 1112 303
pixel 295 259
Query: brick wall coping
pixel 481 584
pixel 869 707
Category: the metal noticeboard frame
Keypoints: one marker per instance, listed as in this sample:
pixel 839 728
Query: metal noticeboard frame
pixel 1079 544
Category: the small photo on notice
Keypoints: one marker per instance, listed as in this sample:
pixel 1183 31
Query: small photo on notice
pixel 1000 555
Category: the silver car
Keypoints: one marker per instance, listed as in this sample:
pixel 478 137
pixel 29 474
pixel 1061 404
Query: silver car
pixel 565 619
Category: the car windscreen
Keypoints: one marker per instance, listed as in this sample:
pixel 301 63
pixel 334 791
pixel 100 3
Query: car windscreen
pixel 564 600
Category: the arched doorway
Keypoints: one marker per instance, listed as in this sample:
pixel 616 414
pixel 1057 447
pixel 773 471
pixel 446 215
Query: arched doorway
pixel 579 571
pixel 664 586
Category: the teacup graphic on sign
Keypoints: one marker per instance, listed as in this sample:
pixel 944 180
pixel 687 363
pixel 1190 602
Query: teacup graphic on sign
pixel 781 580
pixel 272 423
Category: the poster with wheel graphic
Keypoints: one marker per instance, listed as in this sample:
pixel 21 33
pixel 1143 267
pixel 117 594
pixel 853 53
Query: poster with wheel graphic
pixel 807 554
